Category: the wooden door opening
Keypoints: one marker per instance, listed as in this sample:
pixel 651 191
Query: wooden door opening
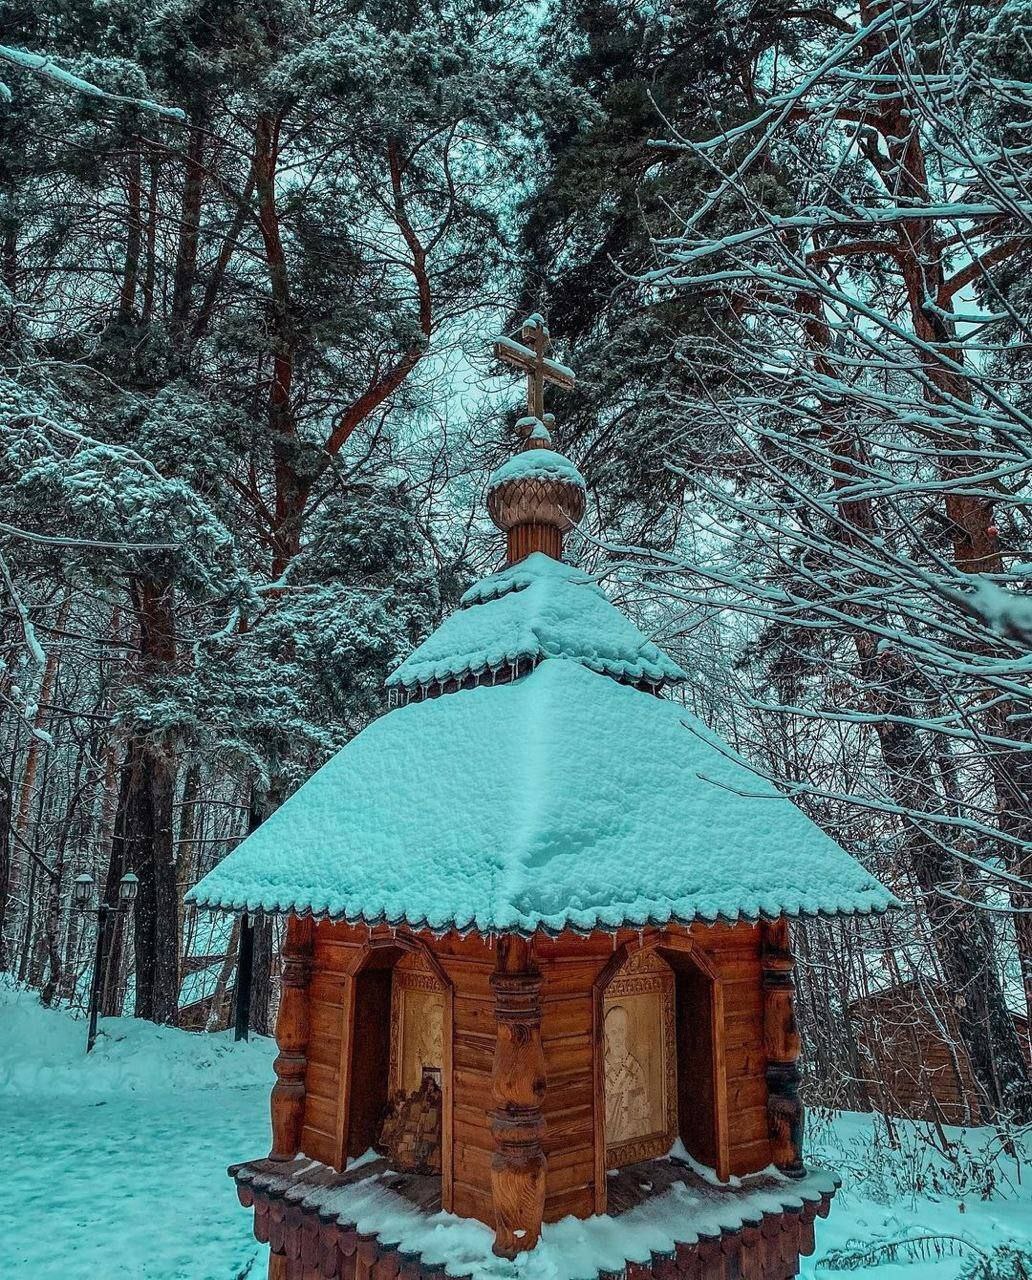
pixel 370 1054
pixel 399 1062
pixel 696 1090
pixel 659 1071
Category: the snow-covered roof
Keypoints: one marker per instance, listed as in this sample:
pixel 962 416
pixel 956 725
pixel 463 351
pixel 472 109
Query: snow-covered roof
pixel 538 608
pixel 562 799
pixel 535 462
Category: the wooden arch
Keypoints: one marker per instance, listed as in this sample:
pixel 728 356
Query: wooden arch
pixel 366 1027
pixel 683 954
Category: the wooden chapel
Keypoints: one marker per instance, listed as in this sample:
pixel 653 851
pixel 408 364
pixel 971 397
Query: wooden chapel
pixel 537 987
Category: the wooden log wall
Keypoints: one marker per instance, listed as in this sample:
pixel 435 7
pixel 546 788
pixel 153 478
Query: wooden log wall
pixel 469 964
pixel 568 967
pixel 736 958
pixel 569 1101
pixel 336 953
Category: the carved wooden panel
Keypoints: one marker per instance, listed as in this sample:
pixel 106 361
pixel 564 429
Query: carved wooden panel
pixel 417 1024
pixel 640 1061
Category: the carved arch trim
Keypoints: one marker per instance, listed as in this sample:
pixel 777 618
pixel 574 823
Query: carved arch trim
pixel 681 949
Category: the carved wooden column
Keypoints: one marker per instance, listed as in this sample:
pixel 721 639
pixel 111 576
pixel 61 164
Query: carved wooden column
pixel 518 1165
pixel 288 1093
pixel 781 1038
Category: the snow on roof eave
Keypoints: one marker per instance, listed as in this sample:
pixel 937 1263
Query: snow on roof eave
pixel 518 576
pixel 441 674
pixel 528 846
pixel 470 927
pixel 539 608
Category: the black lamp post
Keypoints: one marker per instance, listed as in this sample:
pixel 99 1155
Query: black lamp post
pixel 128 887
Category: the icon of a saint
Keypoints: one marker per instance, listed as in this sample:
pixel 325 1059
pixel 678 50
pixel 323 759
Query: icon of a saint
pixel 430 1045
pixel 627 1108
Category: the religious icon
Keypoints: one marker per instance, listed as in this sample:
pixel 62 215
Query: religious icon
pixel 411 1131
pixel 639 1061
pixel 430 1043
pixel 627 1103
pixel 417 1026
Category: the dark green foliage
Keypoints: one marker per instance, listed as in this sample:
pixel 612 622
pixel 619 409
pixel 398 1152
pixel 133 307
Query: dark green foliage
pixel 616 183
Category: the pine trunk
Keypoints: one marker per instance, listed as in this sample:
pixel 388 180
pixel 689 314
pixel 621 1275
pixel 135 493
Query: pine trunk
pixel 144 840
pixel 149 794
pixel 6 814
pixel 133 235
pixel 189 227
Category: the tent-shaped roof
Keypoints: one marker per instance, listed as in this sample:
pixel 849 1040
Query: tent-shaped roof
pixel 538 608
pixel 561 799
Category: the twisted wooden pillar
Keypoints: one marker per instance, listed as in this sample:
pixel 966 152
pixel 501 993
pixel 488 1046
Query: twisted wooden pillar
pixel 518 1086
pixel 288 1093
pixel 781 1038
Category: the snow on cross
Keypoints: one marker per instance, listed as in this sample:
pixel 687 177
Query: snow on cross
pixel 529 355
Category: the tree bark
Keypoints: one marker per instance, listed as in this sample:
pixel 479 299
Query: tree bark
pixel 52 933
pixel 146 818
pixel 261 981
pixel 6 814
pixel 33 754
pixel 189 226
pixel 150 264
pixel 133 237
pixel 144 824
pixel 189 825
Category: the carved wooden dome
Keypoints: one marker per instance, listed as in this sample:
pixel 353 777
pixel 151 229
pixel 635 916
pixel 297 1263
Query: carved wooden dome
pixel 536 497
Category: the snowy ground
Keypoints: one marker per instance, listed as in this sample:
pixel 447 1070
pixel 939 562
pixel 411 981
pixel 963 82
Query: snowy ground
pixel 918 1214
pixel 115 1165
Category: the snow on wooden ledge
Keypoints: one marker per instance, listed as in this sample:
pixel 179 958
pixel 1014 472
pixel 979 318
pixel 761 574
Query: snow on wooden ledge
pixel 685 1211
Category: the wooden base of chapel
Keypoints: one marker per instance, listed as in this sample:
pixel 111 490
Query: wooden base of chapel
pixel 301 1211
pixel 569 1068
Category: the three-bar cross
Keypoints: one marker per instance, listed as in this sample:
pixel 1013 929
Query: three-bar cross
pixel 529 355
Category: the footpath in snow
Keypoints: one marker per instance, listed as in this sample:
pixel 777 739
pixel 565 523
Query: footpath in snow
pixel 115 1165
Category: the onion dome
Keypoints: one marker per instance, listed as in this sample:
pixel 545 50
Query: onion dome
pixel 537 495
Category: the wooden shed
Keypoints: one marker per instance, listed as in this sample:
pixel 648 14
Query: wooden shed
pixel 537 986
pixel 912 1055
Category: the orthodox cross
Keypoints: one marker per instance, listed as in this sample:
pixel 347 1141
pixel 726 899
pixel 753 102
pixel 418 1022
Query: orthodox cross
pixel 529 355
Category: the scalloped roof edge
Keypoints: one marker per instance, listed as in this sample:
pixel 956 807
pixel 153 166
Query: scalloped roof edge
pixel 584 931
